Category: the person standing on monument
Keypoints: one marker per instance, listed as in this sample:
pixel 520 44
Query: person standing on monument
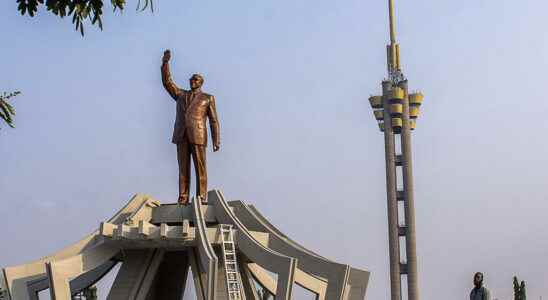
pixel 190 133
pixel 479 292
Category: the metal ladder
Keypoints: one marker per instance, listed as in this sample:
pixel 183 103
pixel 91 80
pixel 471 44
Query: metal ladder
pixel 89 293
pixel 231 264
pixel 79 296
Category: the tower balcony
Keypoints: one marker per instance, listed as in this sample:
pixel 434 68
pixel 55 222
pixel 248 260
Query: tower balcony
pixel 415 99
pixel 376 102
pixel 379 114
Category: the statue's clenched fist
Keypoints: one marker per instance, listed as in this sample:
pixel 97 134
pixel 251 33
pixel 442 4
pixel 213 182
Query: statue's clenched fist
pixel 167 56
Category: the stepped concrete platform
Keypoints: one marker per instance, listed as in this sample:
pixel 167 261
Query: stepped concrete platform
pixel 157 244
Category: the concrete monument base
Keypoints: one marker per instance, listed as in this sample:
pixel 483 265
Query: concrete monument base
pixel 229 246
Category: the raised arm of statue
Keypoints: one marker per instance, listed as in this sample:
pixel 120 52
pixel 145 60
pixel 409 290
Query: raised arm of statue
pixel 169 85
pixel 214 124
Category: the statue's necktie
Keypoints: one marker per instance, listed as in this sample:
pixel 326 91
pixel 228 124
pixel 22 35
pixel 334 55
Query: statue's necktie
pixel 191 99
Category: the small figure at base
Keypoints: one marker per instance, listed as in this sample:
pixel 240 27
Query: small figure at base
pixel 479 292
pixel 190 133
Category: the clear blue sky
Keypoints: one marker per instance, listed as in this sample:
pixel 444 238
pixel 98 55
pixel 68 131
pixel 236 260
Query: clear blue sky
pixel 299 141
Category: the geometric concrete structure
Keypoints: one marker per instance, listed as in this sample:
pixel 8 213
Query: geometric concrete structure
pixel 396 112
pixel 229 246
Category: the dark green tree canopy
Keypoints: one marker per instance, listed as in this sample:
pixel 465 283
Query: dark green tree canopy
pixel 79 10
pixel 519 290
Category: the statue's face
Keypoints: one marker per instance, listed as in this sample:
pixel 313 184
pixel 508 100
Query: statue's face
pixel 478 279
pixel 195 82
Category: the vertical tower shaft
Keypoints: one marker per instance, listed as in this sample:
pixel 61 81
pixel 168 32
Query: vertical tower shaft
pixel 391 197
pixel 397 126
pixel 409 203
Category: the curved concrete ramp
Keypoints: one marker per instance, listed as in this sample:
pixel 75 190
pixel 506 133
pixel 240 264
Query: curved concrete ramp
pixel 17 278
pixel 76 285
pixel 271 228
pixel 356 281
pixel 262 277
pixel 61 271
pixel 206 260
pixel 304 280
pixel 357 285
pixel 334 273
pixel 271 260
pixel 88 279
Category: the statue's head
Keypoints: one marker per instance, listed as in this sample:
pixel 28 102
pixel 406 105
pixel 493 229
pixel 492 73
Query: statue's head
pixel 478 279
pixel 196 81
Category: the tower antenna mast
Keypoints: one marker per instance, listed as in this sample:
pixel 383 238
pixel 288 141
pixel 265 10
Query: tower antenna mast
pixel 392 23
pixel 393 50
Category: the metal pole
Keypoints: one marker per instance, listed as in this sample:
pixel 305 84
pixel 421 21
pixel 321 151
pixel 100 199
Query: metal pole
pixel 409 203
pixel 391 197
pixel 392 59
pixel 392 22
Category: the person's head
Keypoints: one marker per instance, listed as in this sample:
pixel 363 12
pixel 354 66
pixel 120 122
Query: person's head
pixel 196 81
pixel 478 279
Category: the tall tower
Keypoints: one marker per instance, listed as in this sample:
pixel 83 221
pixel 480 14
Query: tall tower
pixel 396 112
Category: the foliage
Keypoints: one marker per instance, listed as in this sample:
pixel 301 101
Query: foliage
pixel 6 110
pixel 519 290
pixel 80 10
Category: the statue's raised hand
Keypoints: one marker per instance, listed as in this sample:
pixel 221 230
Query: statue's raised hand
pixel 167 56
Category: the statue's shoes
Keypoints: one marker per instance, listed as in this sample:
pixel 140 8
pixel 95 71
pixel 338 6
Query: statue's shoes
pixel 182 200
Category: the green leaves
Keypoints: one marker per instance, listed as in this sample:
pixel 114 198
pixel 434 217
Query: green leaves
pixel 118 4
pixel 145 5
pixel 29 6
pixel 80 10
pixel 6 110
pixel 519 290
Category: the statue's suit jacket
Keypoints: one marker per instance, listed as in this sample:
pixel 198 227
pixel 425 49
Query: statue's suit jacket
pixel 192 111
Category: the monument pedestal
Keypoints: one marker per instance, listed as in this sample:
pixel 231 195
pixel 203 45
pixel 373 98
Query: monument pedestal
pixel 157 244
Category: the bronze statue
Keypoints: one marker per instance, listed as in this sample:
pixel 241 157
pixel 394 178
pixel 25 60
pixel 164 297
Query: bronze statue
pixel 479 292
pixel 190 133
